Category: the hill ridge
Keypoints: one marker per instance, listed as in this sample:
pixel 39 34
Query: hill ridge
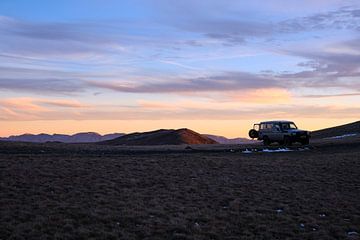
pixel 349 128
pixel 162 137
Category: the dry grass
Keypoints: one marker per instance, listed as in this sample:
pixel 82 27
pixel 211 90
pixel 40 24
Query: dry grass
pixel 105 194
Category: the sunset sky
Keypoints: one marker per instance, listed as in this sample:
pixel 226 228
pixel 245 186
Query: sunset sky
pixel 212 66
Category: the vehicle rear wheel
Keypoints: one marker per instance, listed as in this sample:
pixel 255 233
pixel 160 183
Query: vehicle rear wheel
pixel 305 141
pixel 287 141
pixel 266 141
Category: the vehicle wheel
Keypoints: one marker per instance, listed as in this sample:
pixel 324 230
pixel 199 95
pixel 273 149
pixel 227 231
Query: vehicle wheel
pixel 287 141
pixel 253 133
pixel 266 141
pixel 305 142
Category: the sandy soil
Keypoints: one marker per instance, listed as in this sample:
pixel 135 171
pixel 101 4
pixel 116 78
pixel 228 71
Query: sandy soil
pixel 60 191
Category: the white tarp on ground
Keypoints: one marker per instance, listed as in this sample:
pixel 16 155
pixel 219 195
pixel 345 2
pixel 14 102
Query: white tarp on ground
pixel 265 150
pixel 343 136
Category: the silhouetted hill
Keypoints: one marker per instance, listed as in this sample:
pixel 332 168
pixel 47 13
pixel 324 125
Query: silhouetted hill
pixel 338 131
pixel 224 140
pixel 76 138
pixel 162 137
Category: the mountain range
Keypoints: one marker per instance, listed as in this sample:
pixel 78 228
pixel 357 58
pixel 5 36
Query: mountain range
pixel 86 137
pixel 90 137
pixel 224 140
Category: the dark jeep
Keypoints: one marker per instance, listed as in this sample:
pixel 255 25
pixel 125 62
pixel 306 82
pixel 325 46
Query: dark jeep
pixel 283 132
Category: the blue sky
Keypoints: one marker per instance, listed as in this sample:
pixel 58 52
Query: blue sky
pixel 95 65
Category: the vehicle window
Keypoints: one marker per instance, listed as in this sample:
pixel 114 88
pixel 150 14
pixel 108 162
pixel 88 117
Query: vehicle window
pixel 276 127
pixel 269 125
pixel 287 126
pixel 262 126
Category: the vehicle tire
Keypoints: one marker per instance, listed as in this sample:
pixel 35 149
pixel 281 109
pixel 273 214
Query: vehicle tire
pixel 287 141
pixel 253 133
pixel 266 141
pixel 305 141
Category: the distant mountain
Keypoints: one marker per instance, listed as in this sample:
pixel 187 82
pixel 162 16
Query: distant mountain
pixel 346 130
pixel 224 140
pixel 85 137
pixel 162 137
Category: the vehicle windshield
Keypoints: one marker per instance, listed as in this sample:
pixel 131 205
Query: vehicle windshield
pixel 287 126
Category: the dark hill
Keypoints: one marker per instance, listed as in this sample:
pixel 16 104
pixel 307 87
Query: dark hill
pixel 338 131
pixel 161 137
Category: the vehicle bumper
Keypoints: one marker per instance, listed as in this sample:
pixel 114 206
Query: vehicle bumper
pixel 299 138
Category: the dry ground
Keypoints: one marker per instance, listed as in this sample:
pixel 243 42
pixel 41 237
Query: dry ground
pixel 58 191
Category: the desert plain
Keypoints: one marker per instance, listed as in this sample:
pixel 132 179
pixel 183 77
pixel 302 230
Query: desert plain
pixel 89 191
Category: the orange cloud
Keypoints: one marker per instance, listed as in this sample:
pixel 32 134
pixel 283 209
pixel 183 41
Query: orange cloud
pixel 37 104
pixel 156 105
pixel 21 104
pixel 34 108
pixel 62 103
pixel 261 96
pixel 5 113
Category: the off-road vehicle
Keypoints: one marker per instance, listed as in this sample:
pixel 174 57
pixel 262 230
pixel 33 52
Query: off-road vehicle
pixel 283 132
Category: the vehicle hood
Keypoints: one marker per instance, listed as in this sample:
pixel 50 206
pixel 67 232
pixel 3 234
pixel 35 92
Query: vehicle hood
pixel 296 131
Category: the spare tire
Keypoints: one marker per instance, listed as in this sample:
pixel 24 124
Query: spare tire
pixel 253 133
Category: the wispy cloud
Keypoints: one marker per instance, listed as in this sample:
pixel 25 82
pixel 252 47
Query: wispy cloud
pixel 64 40
pixel 222 22
pixel 331 95
pixel 328 68
pixel 224 82
pixel 41 81
pixel 345 18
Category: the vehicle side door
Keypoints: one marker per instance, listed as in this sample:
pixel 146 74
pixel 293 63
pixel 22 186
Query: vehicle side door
pixel 269 131
pixel 262 131
pixel 276 132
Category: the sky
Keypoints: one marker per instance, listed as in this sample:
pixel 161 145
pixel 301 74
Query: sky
pixel 216 67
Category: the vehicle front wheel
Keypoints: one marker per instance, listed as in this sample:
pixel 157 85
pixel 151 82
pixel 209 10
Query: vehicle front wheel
pixel 287 141
pixel 266 141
